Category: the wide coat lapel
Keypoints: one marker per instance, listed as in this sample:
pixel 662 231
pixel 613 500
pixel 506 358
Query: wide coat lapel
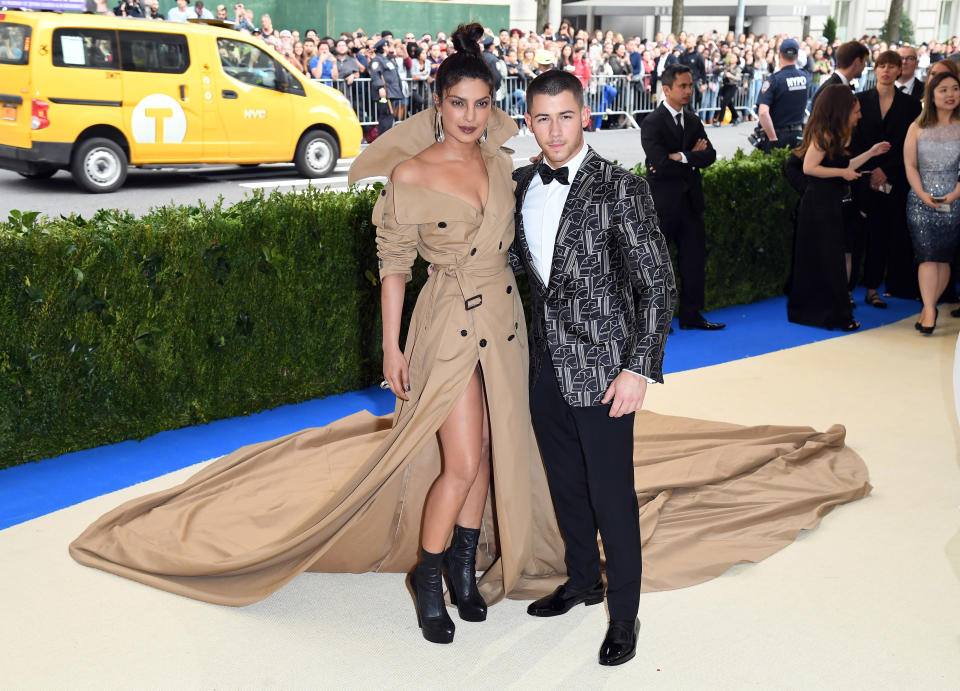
pixel 523 184
pixel 573 219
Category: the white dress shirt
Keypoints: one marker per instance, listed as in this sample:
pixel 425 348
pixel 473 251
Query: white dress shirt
pixel 906 86
pixel 542 208
pixel 673 116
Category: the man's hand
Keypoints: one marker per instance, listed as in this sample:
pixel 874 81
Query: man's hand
pixel 701 145
pixel 676 157
pixel 627 392
pixel 878 178
pixel 351 77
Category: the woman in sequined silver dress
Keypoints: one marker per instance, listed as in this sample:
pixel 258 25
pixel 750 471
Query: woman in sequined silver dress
pixel 931 153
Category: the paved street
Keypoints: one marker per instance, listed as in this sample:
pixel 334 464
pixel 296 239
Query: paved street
pixel 148 188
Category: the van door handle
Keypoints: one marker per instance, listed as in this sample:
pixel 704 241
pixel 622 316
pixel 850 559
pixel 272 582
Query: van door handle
pixel 183 92
pixel 228 93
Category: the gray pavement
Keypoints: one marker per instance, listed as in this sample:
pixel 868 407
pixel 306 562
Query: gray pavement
pixel 148 188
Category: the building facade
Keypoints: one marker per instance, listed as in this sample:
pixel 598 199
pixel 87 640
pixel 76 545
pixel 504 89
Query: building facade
pixel 931 19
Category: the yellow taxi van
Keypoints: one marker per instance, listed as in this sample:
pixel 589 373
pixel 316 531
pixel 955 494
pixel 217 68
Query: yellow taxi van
pixel 94 95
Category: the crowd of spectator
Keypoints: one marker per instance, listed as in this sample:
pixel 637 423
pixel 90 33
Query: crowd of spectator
pixel 728 70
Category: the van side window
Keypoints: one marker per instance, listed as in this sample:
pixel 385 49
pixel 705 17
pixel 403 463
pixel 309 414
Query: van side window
pixel 144 51
pixel 292 84
pixel 92 48
pixel 14 44
pixel 247 63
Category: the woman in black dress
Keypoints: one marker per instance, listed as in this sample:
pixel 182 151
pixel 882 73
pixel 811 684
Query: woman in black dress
pixel 818 292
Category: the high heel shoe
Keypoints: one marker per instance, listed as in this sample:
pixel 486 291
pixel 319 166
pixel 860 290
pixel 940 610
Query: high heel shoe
pixel 927 330
pixel 459 565
pixel 426 582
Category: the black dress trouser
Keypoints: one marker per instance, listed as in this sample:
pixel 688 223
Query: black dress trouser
pixel 683 226
pixel 588 456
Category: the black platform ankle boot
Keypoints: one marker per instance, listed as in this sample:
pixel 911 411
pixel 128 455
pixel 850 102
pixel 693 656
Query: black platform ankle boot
pixel 426 582
pixel 459 563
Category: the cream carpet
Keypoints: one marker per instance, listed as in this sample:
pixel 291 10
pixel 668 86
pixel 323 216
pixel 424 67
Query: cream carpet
pixel 870 599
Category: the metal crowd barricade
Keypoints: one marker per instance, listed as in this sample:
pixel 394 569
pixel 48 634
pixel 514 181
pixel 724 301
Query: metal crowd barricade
pixel 606 95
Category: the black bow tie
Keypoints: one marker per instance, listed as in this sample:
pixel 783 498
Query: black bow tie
pixel 547 174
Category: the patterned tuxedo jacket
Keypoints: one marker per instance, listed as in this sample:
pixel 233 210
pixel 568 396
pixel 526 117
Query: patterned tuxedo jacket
pixel 611 293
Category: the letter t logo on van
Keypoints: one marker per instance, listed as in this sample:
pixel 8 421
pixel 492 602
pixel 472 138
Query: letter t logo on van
pixel 158 115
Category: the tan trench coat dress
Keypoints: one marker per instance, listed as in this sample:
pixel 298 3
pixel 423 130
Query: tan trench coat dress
pixel 348 497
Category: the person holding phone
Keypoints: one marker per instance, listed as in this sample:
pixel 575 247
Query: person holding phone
pixel 931 154
pixel 818 290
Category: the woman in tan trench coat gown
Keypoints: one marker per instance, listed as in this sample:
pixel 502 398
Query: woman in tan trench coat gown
pixel 348 497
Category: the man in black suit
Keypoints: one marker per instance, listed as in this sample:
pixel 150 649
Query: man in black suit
pixel 677 147
pixel 603 294
pixel 908 82
pixel 851 59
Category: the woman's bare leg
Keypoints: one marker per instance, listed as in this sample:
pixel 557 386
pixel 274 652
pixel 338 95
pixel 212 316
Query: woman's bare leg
pixel 461 438
pixel 928 275
pixel 471 514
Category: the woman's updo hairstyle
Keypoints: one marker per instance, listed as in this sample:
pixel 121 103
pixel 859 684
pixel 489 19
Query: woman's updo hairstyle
pixel 466 63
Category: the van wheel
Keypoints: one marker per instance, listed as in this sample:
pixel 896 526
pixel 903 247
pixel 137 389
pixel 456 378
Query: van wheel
pixel 99 165
pixel 317 154
pixel 40 174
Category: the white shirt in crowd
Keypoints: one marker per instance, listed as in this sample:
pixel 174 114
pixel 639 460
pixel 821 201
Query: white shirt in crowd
pixel 542 208
pixel 907 85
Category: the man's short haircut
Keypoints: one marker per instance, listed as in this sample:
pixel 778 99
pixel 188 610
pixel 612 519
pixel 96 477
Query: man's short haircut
pixel 671 72
pixel 848 52
pixel 553 83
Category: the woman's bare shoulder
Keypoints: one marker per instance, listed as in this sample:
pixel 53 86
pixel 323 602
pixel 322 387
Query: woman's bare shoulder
pixel 408 171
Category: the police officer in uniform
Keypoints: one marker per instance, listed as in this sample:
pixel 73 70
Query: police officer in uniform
pixel 783 100
pixel 387 89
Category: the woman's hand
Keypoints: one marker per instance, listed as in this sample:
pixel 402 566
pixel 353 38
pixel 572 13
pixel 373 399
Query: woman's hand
pixel 849 174
pixel 396 373
pixel 879 149
pixel 927 199
pixel 951 198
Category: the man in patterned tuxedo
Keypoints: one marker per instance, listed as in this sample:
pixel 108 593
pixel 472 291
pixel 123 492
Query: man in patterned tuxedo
pixel 603 294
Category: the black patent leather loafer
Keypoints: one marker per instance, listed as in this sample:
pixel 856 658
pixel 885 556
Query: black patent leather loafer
pixel 563 598
pixel 700 323
pixel 620 643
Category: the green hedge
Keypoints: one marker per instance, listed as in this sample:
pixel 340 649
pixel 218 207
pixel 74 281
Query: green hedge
pixel 749 220
pixel 118 327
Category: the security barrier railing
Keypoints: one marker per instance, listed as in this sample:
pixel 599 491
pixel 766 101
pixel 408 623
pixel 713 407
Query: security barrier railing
pixel 608 96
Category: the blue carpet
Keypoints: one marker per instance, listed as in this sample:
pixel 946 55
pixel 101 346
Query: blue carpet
pixel 35 489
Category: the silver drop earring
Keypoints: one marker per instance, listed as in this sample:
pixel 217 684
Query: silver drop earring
pixel 438 128
pixel 483 137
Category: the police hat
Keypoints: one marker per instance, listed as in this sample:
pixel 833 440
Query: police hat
pixel 379 45
pixel 486 41
pixel 789 47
